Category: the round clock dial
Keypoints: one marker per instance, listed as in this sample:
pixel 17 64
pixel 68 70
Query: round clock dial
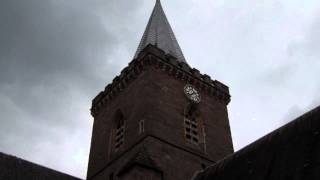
pixel 192 93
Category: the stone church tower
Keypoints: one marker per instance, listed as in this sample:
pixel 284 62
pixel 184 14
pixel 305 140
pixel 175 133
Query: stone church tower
pixel 159 119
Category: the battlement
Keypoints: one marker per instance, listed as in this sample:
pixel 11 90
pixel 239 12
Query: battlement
pixel 151 56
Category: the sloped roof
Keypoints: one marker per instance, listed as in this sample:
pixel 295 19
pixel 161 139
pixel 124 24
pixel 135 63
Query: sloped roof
pixel 159 33
pixel 13 168
pixel 291 152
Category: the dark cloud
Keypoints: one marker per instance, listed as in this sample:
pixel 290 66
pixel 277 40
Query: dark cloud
pixel 39 39
pixel 48 51
pixel 55 56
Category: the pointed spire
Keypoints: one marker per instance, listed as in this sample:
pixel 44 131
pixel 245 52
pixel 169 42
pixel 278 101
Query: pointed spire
pixel 159 33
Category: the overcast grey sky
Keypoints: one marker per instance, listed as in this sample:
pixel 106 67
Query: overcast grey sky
pixel 56 55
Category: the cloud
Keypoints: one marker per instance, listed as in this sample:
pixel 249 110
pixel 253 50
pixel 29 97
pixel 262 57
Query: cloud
pixel 55 56
pixel 302 72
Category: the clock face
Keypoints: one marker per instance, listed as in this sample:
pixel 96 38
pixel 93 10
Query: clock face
pixel 192 93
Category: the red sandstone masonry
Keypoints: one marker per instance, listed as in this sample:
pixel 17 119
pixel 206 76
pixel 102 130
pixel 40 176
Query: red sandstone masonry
pixel 151 89
pixel 154 57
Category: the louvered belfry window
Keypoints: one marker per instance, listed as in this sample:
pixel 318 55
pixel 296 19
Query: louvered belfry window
pixel 119 137
pixel 119 131
pixel 191 127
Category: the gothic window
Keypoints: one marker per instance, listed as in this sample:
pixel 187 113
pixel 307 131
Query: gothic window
pixel 119 130
pixel 191 125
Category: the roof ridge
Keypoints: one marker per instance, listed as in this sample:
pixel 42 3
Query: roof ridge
pixel 307 123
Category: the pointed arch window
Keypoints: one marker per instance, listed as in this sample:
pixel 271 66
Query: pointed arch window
pixel 191 125
pixel 119 130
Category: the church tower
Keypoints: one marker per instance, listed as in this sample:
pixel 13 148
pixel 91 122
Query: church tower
pixel 160 119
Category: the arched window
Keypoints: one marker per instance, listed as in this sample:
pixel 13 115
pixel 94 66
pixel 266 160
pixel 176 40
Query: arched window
pixel 119 128
pixel 191 124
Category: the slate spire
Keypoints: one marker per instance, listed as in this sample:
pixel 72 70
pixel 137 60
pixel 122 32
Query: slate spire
pixel 159 33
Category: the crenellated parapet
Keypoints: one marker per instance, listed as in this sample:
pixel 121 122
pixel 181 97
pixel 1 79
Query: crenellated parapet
pixel 151 56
